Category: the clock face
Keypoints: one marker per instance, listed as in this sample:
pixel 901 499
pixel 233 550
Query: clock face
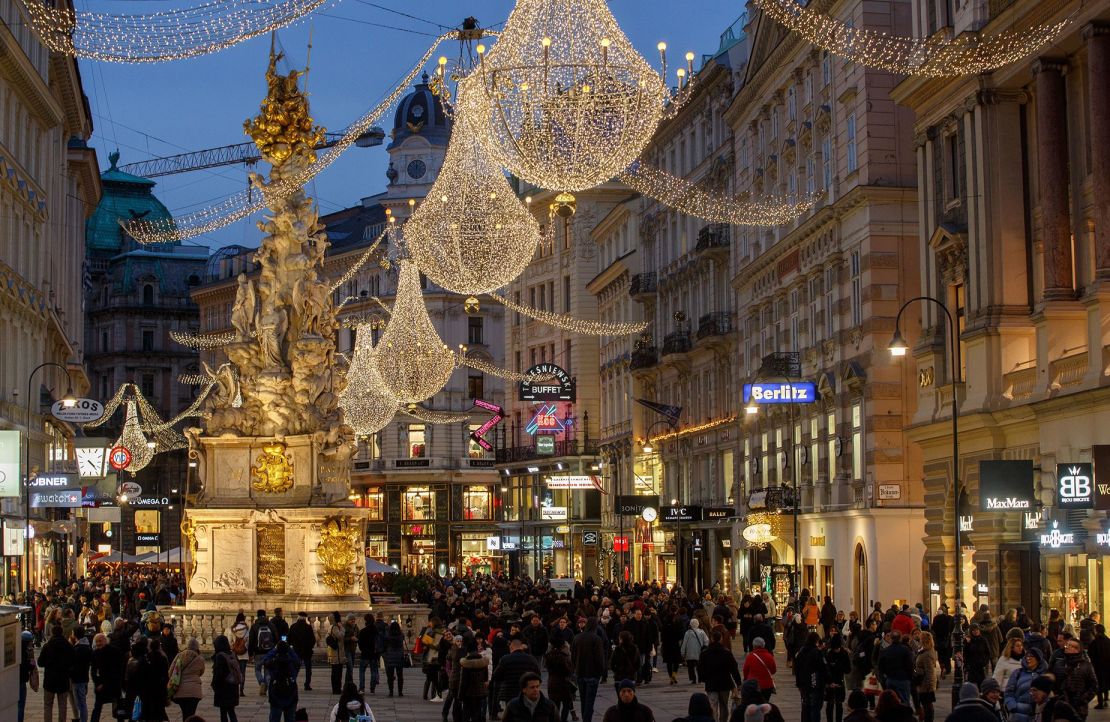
pixel 650 514
pixel 417 169
pixel 90 461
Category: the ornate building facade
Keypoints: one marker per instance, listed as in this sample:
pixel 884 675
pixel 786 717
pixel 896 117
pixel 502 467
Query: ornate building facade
pixel 1014 238
pixel 823 292
pixel 49 186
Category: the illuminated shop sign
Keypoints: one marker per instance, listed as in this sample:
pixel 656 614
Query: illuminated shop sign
pixel 546 421
pixel 555 384
pixel 1006 485
pixel 1055 538
pixel 572 481
pixel 1075 486
pixel 799 392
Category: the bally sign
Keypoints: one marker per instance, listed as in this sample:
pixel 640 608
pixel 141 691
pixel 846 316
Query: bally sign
pixel 1075 486
pixel 799 392
pixel 1006 485
pixel 557 384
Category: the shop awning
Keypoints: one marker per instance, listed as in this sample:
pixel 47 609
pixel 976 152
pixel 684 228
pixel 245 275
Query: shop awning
pixel 373 566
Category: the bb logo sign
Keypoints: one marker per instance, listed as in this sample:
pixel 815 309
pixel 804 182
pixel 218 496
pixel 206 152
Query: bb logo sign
pixel 1075 487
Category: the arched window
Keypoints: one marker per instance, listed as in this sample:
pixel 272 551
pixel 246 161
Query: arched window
pixel 148 295
pixel 861 602
pixel 194 280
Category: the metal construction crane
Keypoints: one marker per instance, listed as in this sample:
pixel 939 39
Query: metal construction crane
pixel 246 153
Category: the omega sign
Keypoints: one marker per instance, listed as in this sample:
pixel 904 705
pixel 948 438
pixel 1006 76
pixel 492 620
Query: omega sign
pixel 1006 485
pixel 555 384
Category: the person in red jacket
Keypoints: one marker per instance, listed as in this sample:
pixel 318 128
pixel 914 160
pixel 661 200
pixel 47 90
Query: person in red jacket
pixel 760 666
pixel 903 622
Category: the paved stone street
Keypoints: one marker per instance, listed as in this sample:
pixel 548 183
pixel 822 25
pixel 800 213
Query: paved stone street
pixel 667 701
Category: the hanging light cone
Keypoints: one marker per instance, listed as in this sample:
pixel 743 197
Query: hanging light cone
pixel 134 440
pixel 471 234
pixel 412 361
pixel 367 406
pixel 570 103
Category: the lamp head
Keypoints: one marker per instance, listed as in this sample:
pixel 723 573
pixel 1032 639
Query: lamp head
pixel 648 447
pixel 897 345
pixel 69 400
pixel 752 408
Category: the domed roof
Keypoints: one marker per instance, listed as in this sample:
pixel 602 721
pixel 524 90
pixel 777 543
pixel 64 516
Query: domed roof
pixel 125 197
pixel 421 113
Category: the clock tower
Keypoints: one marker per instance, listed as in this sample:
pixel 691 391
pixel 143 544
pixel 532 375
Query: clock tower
pixel 421 130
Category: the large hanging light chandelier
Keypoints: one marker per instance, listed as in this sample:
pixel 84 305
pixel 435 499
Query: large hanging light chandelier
pixel 471 234
pixel 134 440
pixel 367 405
pixel 412 361
pixel 569 101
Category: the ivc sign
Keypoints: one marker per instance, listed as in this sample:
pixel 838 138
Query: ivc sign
pixel 798 392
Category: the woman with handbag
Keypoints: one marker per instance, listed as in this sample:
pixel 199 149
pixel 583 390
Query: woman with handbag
pixel 925 677
pixel 185 688
pixel 693 643
pixel 760 666
pixel 227 678
pixel 395 658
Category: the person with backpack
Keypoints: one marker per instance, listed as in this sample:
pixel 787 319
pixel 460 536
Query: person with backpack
pixel 282 665
pixel 693 644
pixel 350 706
pixel 837 664
pixel 261 641
pixel 237 637
pixel 334 642
pixel 185 686
pixel 227 678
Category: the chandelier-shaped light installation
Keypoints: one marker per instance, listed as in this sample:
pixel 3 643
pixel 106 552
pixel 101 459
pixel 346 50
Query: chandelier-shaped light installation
pixel 164 35
pixel 134 440
pixel 570 323
pixel 471 234
pixel 686 197
pixel 762 529
pixel 246 202
pixel 412 361
pixel 367 405
pixel 569 101
pixel 934 57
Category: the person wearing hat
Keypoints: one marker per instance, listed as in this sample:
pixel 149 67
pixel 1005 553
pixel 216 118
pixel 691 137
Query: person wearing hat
pixel 628 708
pixel 1018 700
pixel 1047 707
pixel 977 655
pixel 990 691
pixel 971 707
pixel 1075 677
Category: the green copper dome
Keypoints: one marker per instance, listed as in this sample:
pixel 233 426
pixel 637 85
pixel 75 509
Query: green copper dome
pixel 125 197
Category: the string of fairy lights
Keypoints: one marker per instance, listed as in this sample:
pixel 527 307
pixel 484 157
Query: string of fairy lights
pixel 570 323
pixel 936 57
pixel 172 34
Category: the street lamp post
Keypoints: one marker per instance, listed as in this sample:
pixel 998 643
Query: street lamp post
pixel 650 450
pixel 69 400
pixel 898 348
pixel 753 408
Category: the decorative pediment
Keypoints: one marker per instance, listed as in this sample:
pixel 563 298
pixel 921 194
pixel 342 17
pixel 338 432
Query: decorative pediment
pixel 949 245
pixel 824 119
pixel 853 375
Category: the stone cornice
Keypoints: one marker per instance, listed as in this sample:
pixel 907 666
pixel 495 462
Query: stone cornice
pixel 28 84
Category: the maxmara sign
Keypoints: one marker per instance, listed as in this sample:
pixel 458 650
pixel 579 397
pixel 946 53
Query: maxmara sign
pixel 1006 485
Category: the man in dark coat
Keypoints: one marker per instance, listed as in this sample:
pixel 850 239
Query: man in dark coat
pixel 1075 677
pixel 512 667
pixel 645 633
pixel 628 708
pixel 977 655
pixel 56 660
pixel 941 628
pixel 530 705
pixel 1099 652
pixel 761 629
pixel 895 666
pixel 719 672
pixel 587 654
pixel 107 676
pixel 303 640
pixel 810 677
pixel 535 635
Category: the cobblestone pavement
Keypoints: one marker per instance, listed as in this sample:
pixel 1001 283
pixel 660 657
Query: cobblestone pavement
pixel 667 701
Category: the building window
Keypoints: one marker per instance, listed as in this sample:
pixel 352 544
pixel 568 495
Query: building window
pixel 959 304
pixel 566 294
pixel 148 295
pixel 148 339
pixel 832 444
pixel 516 361
pixel 857 290
pixel 830 302
pixel 146 385
pixel 516 314
pixel 795 338
pixel 566 364
pixel 826 162
pixel 814 300
pixel 764 454
pixel 532 296
pixel 477 503
pixel 774 122
pixel 417 447
pixel 418 503
pixel 791 103
pixel 811 176
pixel 474 325
pixel 857 441
pixel 103 340
pixel 853 160
pixel 476 386
pixel 826 68
pixel 373 501
pixel 814 450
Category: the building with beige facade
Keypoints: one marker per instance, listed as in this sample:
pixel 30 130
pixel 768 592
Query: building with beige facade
pixel 823 291
pixel 1013 220
pixel 49 184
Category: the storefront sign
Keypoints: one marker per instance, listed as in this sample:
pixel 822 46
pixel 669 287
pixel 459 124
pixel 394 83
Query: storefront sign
pixel 726 543
pixel 817 541
pixel 1075 486
pixel 571 481
pixel 545 444
pixel 1056 538
pixel 1101 454
pixel 1032 519
pixel 54 481
pixel 934 587
pixel 553 513
pixel 589 538
pixel 982 588
pixel 510 544
pixel 478 435
pixel 130 488
pixel 480 463
pixel 562 586
pixel 493 543
pixel 890 492
pixel 411 463
pixel 635 504
pixel 799 392
pixel 967 523
pixel 148 539
pixel 546 421
pixel 119 457
pixel 13 540
pixel 716 513
pixel 83 411
pixel 9 463
pixel 56 499
pixel 620 543
pixel 681 513
pixel 150 501
pixel 557 384
pixel 758 534
pixel 1103 539
pixel 1006 485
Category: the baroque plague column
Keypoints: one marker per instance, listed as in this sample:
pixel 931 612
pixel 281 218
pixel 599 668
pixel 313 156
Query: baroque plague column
pixel 273 458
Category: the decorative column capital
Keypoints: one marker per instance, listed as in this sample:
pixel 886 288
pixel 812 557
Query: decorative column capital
pixel 1050 65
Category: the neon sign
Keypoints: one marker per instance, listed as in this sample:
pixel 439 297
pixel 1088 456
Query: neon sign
pixel 546 421
pixel 478 435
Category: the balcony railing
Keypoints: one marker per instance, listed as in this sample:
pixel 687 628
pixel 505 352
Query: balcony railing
pixel 644 358
pixel 564 447
pixel 677 342
pixel 714 324
pixel 713 236
pixel 642 283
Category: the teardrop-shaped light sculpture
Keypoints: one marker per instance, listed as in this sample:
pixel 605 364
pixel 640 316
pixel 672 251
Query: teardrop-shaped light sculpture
pixel 413 362
pixel 471 234
pixel 367 405
pixel 134 440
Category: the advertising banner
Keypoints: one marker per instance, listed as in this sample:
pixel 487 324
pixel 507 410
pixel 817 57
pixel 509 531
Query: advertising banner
pixel 9 463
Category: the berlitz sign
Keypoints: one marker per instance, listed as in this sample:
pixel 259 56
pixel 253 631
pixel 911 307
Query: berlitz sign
pixel 799 392
pixel 1006 485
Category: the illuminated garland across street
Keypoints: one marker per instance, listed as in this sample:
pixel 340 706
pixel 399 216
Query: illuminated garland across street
pixel 357 266
pixel 166 35
pixel 686 197
pixel 245 203
pixel 570 323
pixel 934 57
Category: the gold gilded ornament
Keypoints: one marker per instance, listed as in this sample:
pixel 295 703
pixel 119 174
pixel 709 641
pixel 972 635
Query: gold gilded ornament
pixel 338 552
pixel 272 472
pixel 283 128
pixel 189 535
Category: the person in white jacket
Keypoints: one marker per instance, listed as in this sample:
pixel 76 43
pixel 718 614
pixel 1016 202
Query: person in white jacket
pixel 350 706
pixel 1010 659
pixel 693 642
